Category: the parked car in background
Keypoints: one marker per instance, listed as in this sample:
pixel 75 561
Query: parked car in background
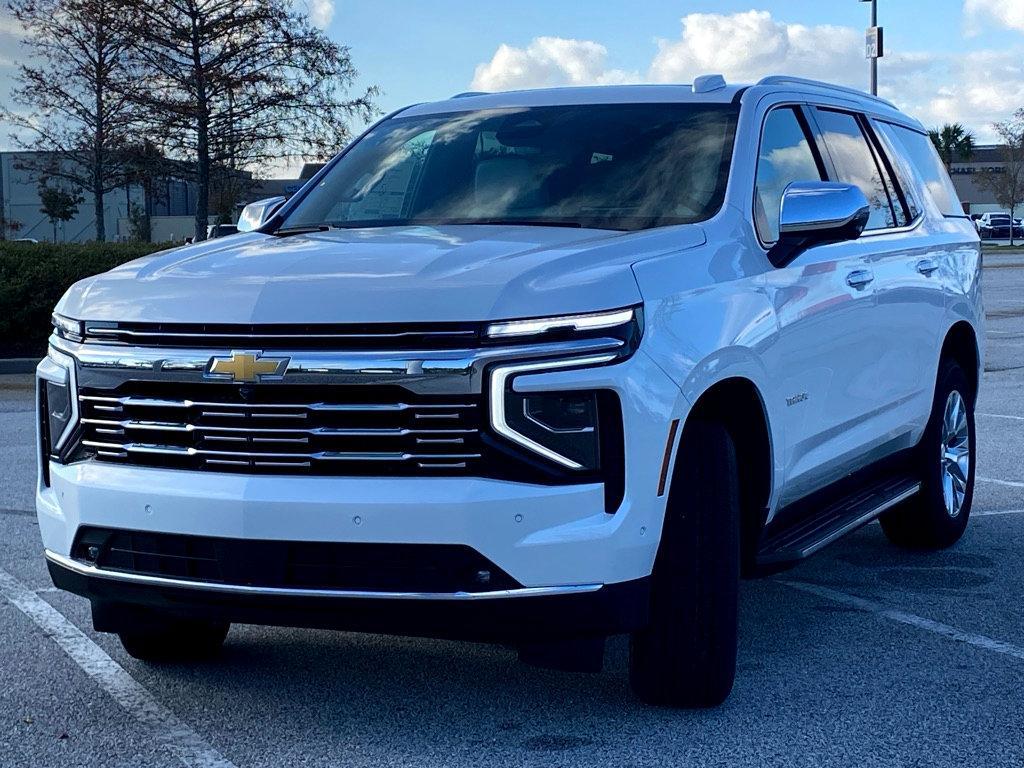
pixel 531 368
pixel 996 226
pixel 221 230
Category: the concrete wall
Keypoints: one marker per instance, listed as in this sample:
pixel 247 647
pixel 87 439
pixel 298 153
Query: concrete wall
pixel 168 228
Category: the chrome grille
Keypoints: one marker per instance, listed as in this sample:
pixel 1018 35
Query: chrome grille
pixel 311 430
pixel 291 336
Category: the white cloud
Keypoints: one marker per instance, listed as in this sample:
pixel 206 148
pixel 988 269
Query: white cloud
pixel 746 46
pixel 320 11
pixel 1007 13
pixel 547 61
pixel 975 88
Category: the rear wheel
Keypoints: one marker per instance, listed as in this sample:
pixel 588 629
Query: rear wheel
pixel 175 640
pixel 686 656
pixel 936 517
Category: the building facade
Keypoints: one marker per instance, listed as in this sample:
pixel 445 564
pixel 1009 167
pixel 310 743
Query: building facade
pixel 976 197
pixel 169 201
pixel 20 204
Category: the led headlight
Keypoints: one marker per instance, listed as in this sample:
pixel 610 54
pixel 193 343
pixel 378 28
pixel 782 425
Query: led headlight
pixel 57 399
pixel 596 321
pixel 66 328
pixel 562 426
pixel 566 423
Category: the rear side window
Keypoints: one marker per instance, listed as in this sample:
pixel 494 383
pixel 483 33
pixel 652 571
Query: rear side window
pixel 922 155
pixel 786 155
pixel 896 159
pixel 855 164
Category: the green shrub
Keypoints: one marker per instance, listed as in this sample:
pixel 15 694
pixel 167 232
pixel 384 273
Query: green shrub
pixel 33 277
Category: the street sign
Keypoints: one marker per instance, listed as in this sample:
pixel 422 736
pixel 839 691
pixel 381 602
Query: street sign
pixel 874 48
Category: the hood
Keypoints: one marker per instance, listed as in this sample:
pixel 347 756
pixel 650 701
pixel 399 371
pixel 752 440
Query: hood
pixel 391 274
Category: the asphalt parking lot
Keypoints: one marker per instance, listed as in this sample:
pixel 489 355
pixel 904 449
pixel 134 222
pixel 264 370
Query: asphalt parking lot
pixel 865 655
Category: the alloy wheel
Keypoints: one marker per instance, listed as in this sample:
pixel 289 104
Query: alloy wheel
pixel 956 453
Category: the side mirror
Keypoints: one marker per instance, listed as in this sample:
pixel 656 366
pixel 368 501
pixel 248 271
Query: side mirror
pixel 817 212
pixel 255 215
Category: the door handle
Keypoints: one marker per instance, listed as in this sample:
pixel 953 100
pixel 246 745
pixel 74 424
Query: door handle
pixel 859 278
pixel 927 266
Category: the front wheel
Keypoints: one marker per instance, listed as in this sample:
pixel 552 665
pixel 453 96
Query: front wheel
pixel 686 656
pixel 936 517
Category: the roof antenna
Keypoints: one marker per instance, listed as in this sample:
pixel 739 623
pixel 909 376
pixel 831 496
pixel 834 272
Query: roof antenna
pixel 708 83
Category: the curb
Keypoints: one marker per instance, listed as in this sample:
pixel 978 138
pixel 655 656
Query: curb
pixel 19 365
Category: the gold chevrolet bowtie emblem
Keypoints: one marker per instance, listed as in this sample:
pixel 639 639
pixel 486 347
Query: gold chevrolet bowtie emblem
pixel 247 366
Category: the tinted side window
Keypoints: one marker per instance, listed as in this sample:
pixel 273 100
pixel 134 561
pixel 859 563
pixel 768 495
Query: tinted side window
pixel 922 155
pixel 785 156
pixel 855 164
pixel 889 180
pixel 896 155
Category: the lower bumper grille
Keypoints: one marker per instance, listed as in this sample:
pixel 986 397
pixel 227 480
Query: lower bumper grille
pixel 290 429
pixel 439 568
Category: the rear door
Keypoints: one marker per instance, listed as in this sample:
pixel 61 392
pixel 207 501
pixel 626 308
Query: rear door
pixel 909 293
pixel 896 339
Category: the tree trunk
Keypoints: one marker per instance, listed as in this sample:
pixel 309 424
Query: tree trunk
pixel 202 181
pixel 99 137
pixel 202 136
pixel 98 172
pixel 97 201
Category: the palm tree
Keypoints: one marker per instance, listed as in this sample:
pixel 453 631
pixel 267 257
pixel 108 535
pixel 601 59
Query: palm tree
pixel 953 141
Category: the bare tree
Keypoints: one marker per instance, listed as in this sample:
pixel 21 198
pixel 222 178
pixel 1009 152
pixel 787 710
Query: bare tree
pixel 69 92
pixel 236 83
pixel 1007 183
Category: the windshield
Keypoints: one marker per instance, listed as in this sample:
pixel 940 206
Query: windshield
pixel 607 166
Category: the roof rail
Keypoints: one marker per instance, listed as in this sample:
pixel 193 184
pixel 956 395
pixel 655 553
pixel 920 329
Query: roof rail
pixel 789 80
pixel 466 94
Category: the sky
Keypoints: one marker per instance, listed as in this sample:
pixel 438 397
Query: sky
pixel 946 60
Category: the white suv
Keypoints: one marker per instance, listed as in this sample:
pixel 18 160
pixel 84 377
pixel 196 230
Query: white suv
pixel 533 367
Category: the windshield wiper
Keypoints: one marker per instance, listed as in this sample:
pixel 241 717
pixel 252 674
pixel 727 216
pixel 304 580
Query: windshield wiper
pixel 302 230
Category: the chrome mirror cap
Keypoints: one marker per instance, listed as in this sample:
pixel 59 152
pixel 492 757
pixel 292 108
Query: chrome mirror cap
pixel 256 214
pixel 823 208
pixel 815 213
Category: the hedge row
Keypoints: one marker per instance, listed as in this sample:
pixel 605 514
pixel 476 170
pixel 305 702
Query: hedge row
pixel 33 277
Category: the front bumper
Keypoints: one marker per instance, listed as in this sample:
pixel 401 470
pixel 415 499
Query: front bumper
pixel 522 615
pixel 559 542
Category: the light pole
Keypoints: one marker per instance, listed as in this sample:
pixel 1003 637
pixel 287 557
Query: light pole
pixel 874 50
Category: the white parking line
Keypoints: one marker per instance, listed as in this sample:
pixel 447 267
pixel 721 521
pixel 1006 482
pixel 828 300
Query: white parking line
pixel 992 512
pixel 996 481
pixel 1001 416
pixel 868 606
pixel 168 730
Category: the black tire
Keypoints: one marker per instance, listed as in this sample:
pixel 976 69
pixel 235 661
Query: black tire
pixel 923 521
pixel 686 656
pixel 175 640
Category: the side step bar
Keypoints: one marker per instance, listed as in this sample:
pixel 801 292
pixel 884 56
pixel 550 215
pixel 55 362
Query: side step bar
pixel 819 529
